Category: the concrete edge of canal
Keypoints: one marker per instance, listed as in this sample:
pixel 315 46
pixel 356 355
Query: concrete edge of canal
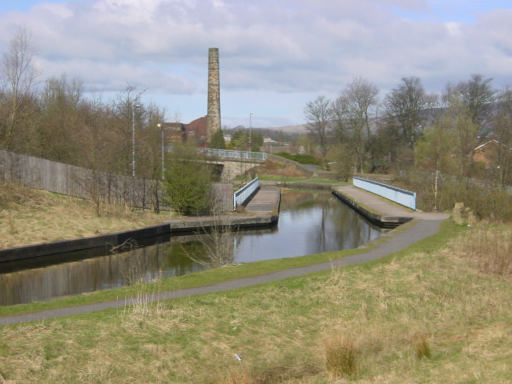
pixel 266 217
pixel 375 218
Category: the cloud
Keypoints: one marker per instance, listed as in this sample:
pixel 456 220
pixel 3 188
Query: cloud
pixel 289 46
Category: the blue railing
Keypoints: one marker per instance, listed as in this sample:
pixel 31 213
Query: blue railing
pixel 235 155
pixel 241 196
pixel 398 195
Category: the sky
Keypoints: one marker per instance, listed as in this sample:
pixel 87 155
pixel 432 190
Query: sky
pixel 275 55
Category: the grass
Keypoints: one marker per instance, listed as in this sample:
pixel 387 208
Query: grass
pixel 432 299
pixel 34 216
pixel 302 159
pixel 301 179
pixel 197 279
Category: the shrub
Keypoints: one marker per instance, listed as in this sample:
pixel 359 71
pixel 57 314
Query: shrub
pixel 485 200
pixel 341 356
pixel 188 182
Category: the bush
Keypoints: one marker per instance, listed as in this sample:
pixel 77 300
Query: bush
pixel 188 181
pixel 484 199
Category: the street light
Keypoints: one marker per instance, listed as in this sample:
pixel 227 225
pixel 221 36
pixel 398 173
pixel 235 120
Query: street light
pixel 250 131
pixel 133 137
pixel 162 132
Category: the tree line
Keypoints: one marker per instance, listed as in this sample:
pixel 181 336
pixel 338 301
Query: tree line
pixel 410 128
pixel 52 119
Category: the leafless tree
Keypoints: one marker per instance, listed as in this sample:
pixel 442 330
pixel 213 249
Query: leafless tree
pixel 477 95
pixel 318 116
pixel 18 75
pixel 503 134
pixel 352 110
pixel 406 106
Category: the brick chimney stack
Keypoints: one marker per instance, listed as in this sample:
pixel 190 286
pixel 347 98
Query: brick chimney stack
pixel 213 116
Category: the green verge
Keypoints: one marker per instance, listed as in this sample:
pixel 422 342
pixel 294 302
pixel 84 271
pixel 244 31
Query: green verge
pixel 231 272
pixel 192 280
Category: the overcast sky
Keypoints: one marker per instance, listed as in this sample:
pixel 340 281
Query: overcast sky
pixel 275 55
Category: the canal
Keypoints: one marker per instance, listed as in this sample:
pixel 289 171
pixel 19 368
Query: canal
pixel 310 222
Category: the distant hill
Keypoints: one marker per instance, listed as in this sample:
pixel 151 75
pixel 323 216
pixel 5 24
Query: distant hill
pixel 291 128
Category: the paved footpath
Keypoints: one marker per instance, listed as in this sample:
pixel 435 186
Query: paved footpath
pixel 424 226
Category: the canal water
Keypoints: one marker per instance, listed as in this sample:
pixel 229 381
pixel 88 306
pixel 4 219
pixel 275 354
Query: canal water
pixel 310 222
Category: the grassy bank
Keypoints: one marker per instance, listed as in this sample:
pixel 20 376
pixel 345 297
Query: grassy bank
pixel 434 313
pixel 192 280
pixel 30 216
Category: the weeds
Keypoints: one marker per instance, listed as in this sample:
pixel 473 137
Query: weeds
pixel 491 248
pixel 217 239
pixel 275 373
pixel 421 347
pixel 341 355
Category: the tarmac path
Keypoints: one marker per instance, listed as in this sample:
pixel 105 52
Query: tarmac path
pixel 423 226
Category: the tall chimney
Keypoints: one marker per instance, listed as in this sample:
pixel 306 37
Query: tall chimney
pixel 213 116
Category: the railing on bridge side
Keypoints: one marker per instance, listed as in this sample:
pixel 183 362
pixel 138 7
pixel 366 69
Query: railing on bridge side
pixel 398 195
pixel 241 196
pixel 233 154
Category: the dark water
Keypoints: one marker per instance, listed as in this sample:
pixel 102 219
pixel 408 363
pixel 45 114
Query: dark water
pixel 310 222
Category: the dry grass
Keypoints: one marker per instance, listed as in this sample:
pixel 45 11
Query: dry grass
pixel 29 216
pixel 341 355
pixel 425 317
pixel 421 347
pixel 490 248
pixel 273 168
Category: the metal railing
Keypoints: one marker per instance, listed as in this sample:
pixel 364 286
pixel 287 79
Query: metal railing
pixel 241 196
pixel 398 195
pixel 233 154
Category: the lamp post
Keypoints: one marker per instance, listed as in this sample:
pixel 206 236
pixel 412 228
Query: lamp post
pixel 133 137
pixel 162 140
pixel 250 131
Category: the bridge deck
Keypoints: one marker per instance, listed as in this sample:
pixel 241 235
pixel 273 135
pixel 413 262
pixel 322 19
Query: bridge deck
pixel 381 210
pixel 262 211
pixel 265 201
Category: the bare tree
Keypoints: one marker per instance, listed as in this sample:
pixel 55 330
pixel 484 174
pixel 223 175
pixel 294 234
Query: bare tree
pixel 19 75
pixel 318 116
pixel 352 110
pixel 465 132
pixel 406 107
pixel 503 134
pixel 477 95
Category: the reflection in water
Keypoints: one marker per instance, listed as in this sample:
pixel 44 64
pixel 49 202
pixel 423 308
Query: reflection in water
pixel 310 222
pixel 315 222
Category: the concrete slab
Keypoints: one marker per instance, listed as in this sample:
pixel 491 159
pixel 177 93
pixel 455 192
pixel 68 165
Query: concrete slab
pixel 266 201
pixel 387 210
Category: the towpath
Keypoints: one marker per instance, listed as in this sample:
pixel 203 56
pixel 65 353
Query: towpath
pixel 424 226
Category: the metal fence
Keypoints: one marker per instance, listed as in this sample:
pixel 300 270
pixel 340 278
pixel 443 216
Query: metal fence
pixel 398 195
pixel 241 196
pixel 235 155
